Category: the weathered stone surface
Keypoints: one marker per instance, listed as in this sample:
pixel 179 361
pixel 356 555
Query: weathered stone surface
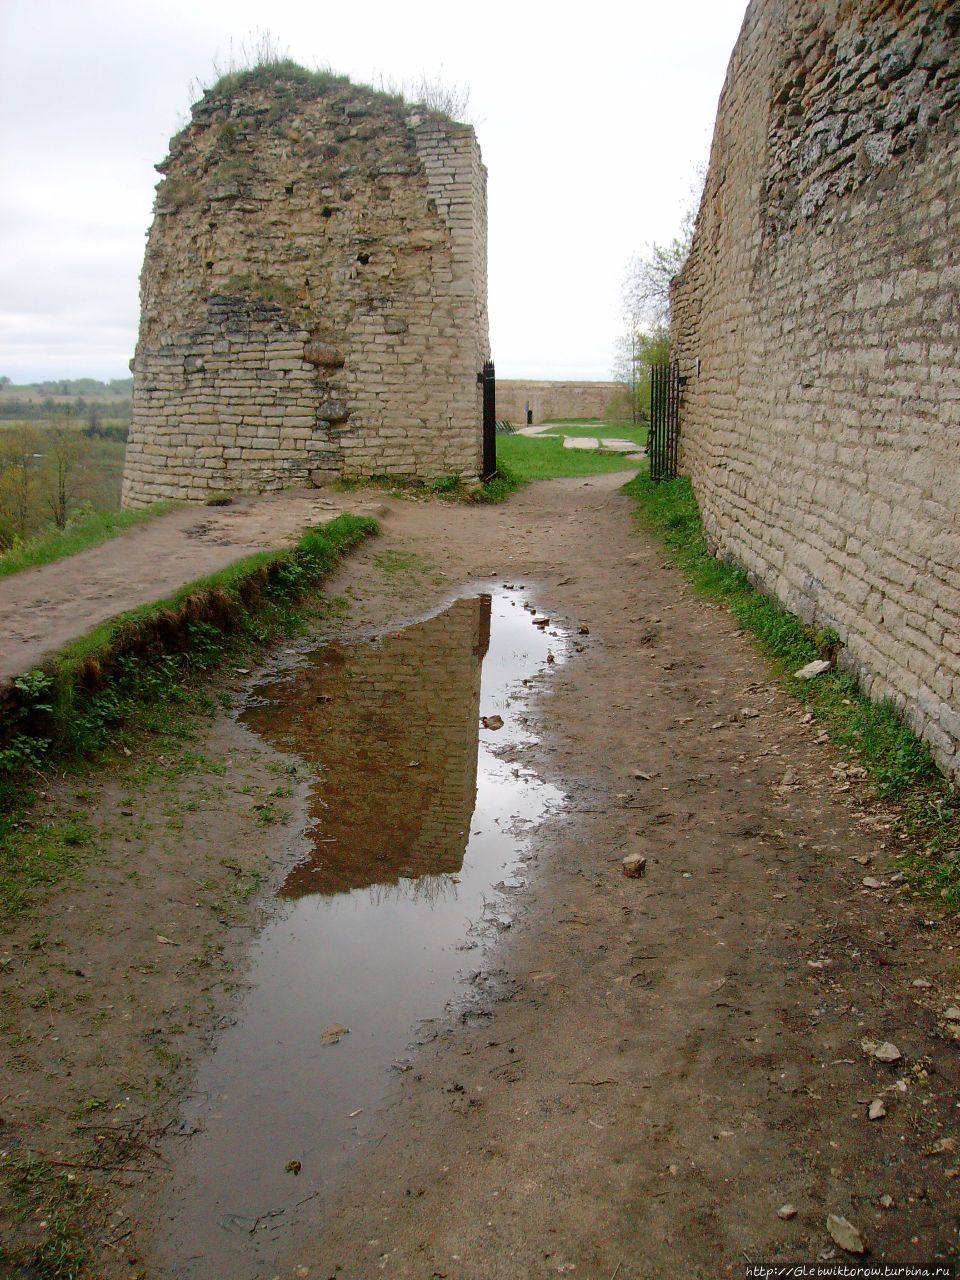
pixel 333 411
pixel 324 354
pixel 816 323
pixel 281 289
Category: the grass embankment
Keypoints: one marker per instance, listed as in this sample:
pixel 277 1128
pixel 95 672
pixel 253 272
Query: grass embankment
pixel 133 676
pixel 80 535
pixel 899 768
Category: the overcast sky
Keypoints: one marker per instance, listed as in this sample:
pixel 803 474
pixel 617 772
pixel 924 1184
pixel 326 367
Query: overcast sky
pixel 592 119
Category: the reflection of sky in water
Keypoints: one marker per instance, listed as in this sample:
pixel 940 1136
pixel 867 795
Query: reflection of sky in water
pixel 377 959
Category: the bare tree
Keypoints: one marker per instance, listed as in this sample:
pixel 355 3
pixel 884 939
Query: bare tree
pixel 60 464
pixel 646 290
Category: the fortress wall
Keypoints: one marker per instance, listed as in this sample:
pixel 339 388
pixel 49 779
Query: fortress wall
pixel 552 400
pixel 817 321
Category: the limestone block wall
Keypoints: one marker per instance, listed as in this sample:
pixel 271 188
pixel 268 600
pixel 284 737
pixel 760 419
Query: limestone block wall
pixel 313 295
pixel 818 323
pixel 552 400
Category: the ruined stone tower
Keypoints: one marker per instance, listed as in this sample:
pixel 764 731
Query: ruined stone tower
pixel 313 295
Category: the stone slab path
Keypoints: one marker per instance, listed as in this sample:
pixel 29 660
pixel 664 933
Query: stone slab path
pixel 629 448
pixel 43 609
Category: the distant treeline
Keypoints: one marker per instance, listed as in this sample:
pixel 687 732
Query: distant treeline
pixel 72 386
pixel 94 411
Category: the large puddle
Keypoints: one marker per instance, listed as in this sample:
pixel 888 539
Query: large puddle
pixel 417 842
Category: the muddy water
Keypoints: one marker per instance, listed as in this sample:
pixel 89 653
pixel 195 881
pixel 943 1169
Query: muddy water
pixel 417 840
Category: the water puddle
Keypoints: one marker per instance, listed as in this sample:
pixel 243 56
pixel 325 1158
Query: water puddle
pixel 417 842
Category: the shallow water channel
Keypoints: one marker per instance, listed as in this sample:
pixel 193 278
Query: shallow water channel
pixel 417 839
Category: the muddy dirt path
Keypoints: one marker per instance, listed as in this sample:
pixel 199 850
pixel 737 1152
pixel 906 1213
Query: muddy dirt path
pixel 43 609
pixel 656 1077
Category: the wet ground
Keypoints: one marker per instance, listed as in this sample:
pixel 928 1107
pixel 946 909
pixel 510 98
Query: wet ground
pixel 646 1074
pixel 415 851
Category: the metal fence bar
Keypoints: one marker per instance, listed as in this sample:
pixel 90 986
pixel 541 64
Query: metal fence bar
pixel 663 440
pixel 489 381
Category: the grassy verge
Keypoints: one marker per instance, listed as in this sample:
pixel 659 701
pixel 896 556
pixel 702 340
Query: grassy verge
pixel 544 458
pixel 88 531
pixel 451 488
pixel 899 767
pixel 80 702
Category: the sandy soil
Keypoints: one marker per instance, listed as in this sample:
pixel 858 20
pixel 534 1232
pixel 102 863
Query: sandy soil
pixel 665 1062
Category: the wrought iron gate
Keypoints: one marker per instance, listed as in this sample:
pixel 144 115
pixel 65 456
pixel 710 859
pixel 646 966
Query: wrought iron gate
pixel 663 441
pixel 489 382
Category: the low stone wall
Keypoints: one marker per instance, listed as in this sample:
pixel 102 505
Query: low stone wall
pixel 818 326
pixel 549 401
pixel 313 296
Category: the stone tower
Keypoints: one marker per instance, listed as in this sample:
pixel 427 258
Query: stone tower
pixel 313 295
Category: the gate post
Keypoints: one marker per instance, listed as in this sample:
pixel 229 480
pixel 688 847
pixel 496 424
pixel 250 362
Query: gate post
pixel 489 381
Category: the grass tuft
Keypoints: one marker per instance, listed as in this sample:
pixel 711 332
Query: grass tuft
pixel 899 767
pixel 36 1189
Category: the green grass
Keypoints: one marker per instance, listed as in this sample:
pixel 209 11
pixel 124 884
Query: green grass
pixel 899 767
pixel 451 488
pixel 38 1190
pixel 87 531
pixel 543 458
pixel 266 73
pixel 151 657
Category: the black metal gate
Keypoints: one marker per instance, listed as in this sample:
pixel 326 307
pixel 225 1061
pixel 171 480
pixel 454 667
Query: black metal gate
pixel 489 381
pixel 663 441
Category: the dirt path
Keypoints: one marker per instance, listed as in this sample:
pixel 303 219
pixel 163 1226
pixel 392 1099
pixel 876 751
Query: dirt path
pixel 664 1063
pixel 43 609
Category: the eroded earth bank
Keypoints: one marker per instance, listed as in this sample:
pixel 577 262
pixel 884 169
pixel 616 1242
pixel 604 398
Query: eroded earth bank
pixel 304 1012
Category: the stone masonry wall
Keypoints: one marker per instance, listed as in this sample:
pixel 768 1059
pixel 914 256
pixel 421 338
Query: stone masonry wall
pixel 313 295
pixel 818 324
pixel 552 400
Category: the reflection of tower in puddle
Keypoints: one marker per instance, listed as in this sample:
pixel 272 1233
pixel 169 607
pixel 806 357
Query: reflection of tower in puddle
pixel 392 730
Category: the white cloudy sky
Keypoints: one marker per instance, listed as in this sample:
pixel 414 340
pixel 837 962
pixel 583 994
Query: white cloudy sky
pixel 592 119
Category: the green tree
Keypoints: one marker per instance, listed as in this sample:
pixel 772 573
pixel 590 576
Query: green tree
pixel 19 482
pixel 636 351
pixel 61 457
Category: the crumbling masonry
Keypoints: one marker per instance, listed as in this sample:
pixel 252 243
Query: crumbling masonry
pixel 314 294
pixel 817 323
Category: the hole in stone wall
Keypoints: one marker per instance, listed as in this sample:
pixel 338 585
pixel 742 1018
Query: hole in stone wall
pixel 431 206
pixel 326 212
pixel 363 258
pixel 289 189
